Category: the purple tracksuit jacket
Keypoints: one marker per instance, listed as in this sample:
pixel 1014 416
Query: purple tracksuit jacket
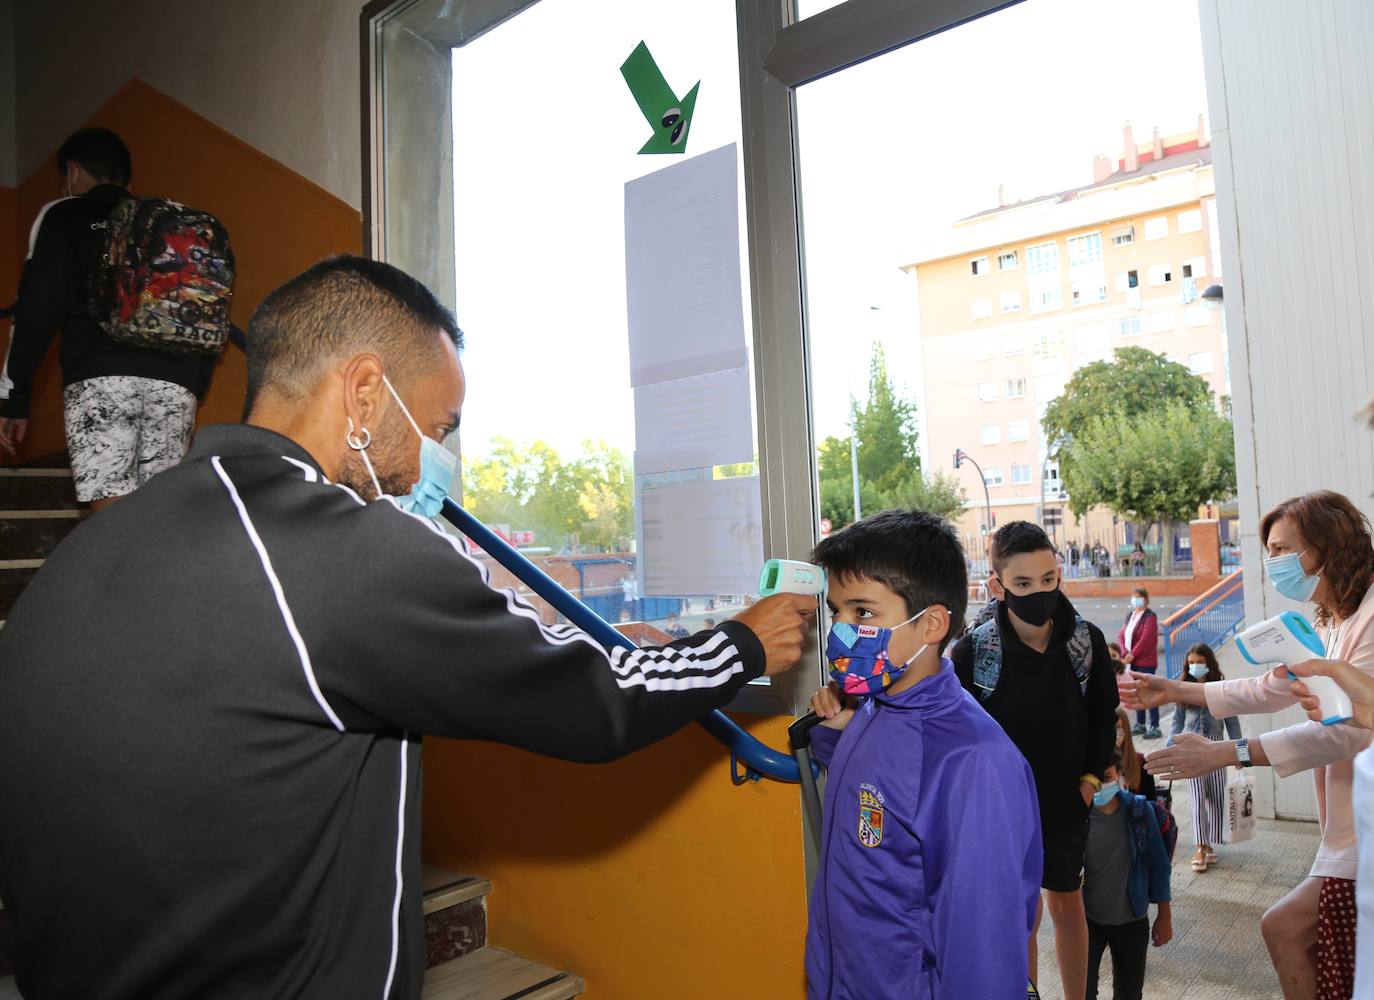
pixel 930 854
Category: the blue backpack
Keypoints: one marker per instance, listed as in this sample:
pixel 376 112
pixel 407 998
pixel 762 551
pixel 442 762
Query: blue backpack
pixel 1140 830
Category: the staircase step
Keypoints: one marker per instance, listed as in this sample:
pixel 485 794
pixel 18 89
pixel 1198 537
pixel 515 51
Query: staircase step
pixel 33 534
pixel 455 913
pixel 496 974
pixel 25 488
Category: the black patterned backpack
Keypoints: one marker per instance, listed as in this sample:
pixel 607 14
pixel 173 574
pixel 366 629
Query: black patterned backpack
pixel 165 279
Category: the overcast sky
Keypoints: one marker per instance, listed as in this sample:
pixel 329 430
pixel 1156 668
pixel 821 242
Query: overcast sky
pixel 546 135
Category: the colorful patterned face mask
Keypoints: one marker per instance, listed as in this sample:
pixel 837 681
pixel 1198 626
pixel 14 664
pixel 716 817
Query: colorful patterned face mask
pixel 858 656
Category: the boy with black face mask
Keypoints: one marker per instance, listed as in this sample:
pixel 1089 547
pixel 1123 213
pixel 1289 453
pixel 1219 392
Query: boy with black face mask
pixel 1045 675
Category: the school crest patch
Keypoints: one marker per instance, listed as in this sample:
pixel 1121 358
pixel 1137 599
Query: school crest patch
pixel 870 816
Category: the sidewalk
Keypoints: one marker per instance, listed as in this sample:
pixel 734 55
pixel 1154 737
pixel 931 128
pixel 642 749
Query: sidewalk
pixel 1216 952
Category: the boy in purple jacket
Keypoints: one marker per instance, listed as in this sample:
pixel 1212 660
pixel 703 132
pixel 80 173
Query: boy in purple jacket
pixel 930 849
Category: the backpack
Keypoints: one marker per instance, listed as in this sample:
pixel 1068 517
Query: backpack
pixel 987 655
pixel 165 278
pixel 1168 827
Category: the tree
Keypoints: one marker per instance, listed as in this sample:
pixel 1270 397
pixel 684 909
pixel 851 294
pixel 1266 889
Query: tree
pixel 1136 383
pixel 889 464
pixel 1160 465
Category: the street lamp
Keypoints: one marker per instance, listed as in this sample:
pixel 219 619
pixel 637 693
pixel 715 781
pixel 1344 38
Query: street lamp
pixel 960 457
pixel 1211 297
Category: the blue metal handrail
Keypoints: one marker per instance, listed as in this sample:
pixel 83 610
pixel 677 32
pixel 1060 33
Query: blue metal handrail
pixel 1212 618
pixel 760 760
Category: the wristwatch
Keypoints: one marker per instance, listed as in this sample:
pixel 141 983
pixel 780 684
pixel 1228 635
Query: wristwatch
pixel 1243 752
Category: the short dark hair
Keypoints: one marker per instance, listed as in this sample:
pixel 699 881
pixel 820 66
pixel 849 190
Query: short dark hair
pixel 342 306
pixel 1143 593
pixel 1017 538
pixel 1118 762
pixel 911 553
pixel 101 152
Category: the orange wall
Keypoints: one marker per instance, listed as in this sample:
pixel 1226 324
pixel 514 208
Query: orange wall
pixel 279 224
pixel 650 877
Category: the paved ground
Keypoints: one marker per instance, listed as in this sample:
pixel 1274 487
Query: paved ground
pixel 1216 953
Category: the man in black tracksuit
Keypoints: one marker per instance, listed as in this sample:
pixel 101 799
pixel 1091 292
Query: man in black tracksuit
pixel 1044 674
pixel 212 695
pixel 129 411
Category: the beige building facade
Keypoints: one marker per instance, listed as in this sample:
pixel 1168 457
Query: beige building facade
pixel 1012 301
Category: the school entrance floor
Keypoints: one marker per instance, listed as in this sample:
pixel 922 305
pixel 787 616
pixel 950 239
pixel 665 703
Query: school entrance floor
pixel 1216 952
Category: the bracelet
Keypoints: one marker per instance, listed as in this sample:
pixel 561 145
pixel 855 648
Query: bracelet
pixel 1091 779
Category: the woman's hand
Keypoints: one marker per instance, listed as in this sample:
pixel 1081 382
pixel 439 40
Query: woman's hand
pixel 1191 756
pixel 828 704
pixel 1356 683
pixel 1141 691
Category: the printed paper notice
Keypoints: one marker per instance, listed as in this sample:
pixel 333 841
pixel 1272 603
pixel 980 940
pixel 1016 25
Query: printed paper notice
pixel 694 423
pixel 703 537
pixel 682 270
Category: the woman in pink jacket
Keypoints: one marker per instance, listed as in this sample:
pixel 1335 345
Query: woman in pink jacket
pixel 1319 551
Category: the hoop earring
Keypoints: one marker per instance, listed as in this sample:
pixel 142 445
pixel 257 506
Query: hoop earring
pixel 354 441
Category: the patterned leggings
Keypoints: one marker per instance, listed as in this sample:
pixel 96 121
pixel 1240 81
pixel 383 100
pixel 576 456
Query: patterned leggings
pixel 1336 940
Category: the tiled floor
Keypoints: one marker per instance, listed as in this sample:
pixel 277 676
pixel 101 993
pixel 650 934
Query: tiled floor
pixel 1216 953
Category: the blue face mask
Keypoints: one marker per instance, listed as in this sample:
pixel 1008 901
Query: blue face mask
pixel 1288 577
pixel 437 466
pixel 1199 670
pixel 1137 602
pixel 1106 793
pixel 858 656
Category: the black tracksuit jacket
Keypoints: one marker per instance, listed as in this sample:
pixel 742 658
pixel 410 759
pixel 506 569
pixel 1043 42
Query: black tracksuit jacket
pixel 211 703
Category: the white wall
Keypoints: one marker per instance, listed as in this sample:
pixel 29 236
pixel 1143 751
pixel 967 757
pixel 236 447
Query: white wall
pixel 283 77
pixel 1291 101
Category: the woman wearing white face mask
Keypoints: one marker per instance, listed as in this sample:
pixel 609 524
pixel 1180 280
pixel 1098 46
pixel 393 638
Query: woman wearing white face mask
pixel 1320 551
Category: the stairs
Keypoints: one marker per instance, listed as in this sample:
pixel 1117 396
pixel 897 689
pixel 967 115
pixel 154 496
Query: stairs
pixel 38 509
pixel 462 966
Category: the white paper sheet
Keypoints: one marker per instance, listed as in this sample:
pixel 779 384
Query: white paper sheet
pixel 703 537
pixel 692 423
pixel 682 269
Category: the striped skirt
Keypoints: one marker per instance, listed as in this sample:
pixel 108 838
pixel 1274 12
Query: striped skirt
pixel 1209 808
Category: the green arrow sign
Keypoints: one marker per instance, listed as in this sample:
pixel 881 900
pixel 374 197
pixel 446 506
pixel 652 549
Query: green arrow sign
pixel 668 116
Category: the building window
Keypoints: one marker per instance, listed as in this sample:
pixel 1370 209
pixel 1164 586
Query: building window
pixel 1130 326
pixel 1006 261
pixel 1190 221
pixel 987 392
pixel 1044 300
pixel 990 434
pixel 982 308
pixel 1160 274
pixel 1195 316
pixel 1195 267
pixel 1200 364
pixel 1043 258
pixel 1016 388
pixel 1085 252
pixel 1011 302
pixel 1157 228
pixel 1089 292
pixel 992 477
pixel 1018 430
pixel 1126 280
pixel 1020 475
pixel 1162 322
pixel 1048 346
pixel 979 266
pixel 1122 237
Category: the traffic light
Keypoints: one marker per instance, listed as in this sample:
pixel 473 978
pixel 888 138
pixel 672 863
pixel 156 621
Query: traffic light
pixel 958 457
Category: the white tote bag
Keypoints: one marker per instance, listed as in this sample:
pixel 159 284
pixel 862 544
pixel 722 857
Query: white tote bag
pixel 1240 808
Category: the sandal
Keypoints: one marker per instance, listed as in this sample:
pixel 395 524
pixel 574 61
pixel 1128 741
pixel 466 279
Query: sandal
pixel 1199 862
pixel 1211 857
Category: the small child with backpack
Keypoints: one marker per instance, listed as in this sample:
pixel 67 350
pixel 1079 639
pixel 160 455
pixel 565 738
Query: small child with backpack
pixel 1126 868
pixel 1209 791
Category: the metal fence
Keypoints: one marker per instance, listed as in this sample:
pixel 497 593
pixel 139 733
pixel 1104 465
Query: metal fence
pixel 1212 618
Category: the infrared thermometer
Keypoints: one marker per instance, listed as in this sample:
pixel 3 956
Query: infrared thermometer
pixel 789 576
pixel 1289 638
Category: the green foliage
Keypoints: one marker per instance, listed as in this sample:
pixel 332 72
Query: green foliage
pixel 1137 384
pixel 889 464
pixel 587 502
pixel 1160 465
